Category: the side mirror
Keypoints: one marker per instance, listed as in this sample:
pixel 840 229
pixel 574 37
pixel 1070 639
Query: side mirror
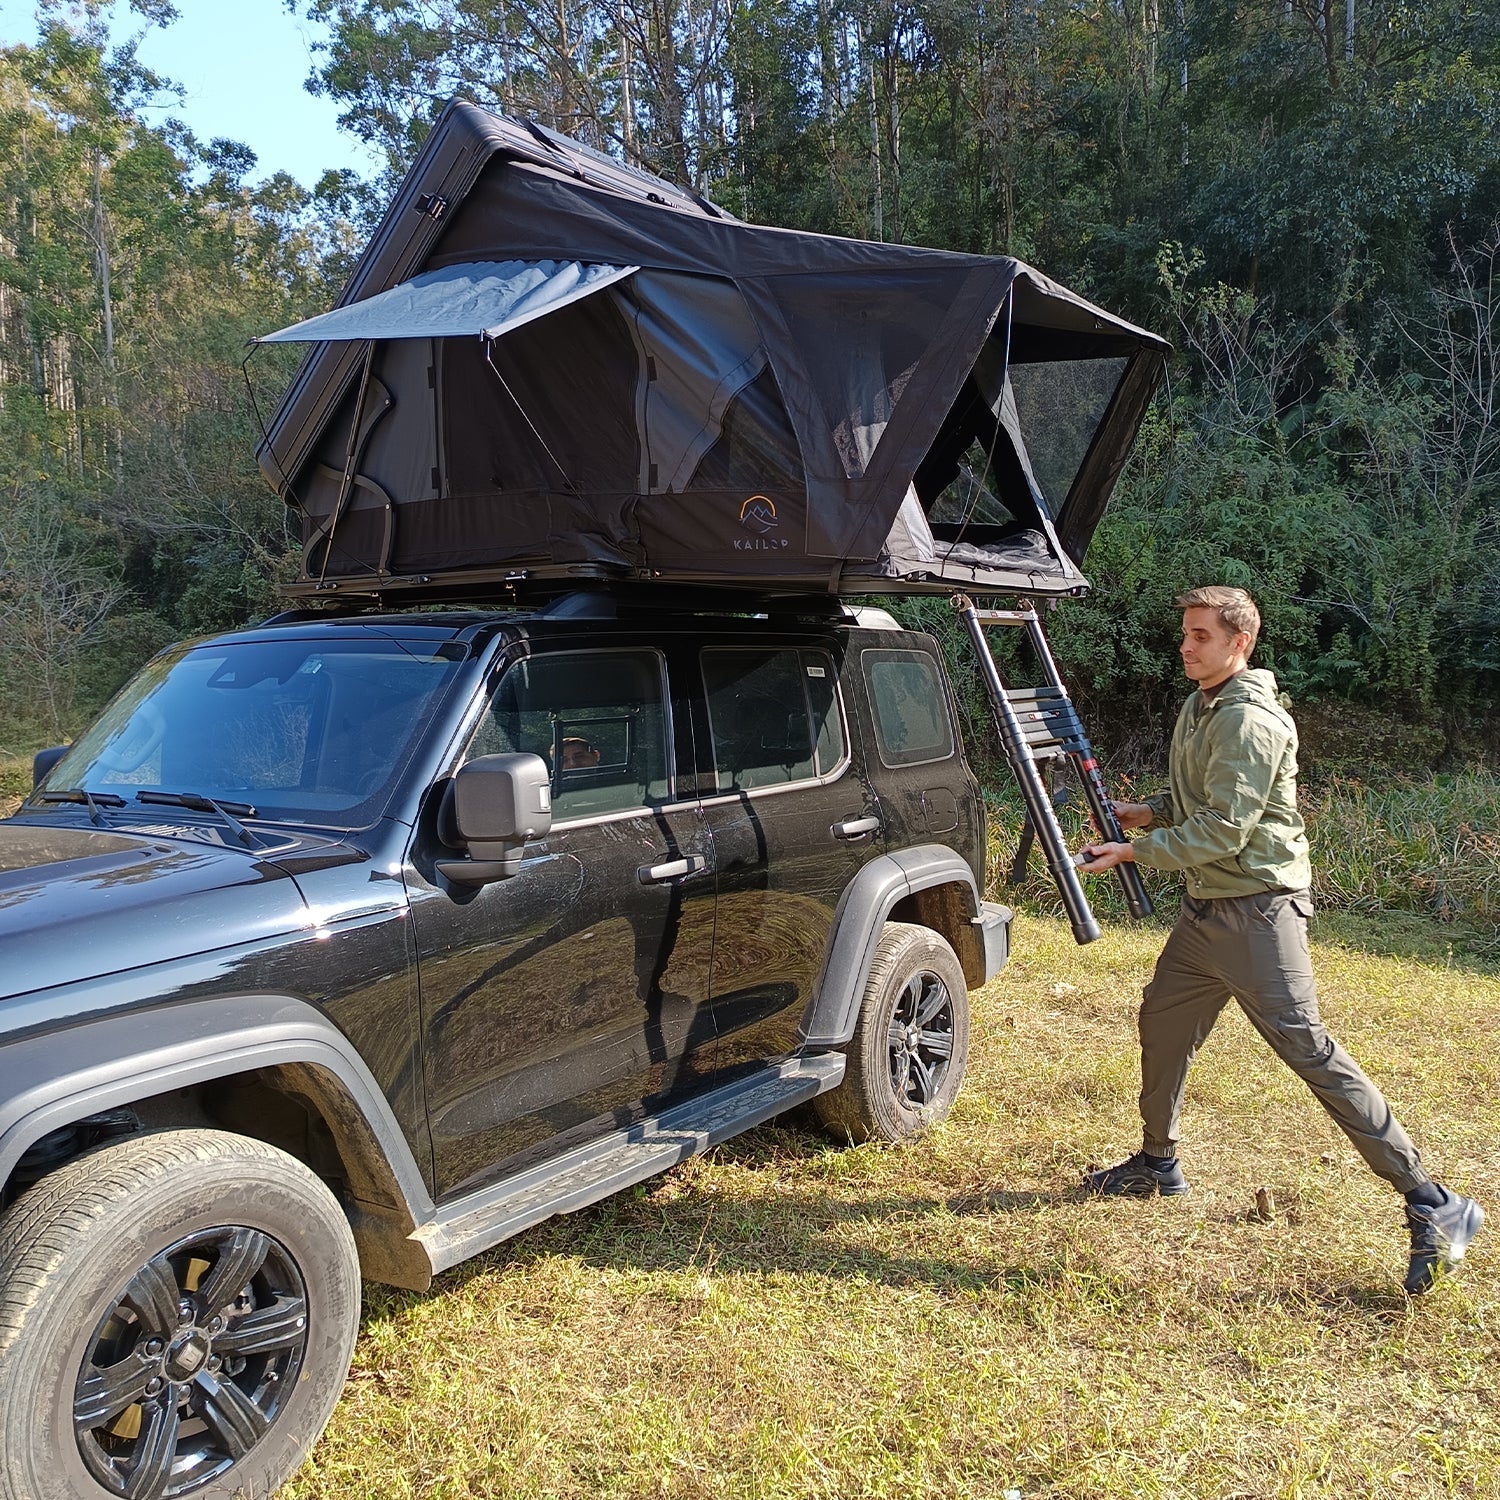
pixel 497 803
pixel 43 761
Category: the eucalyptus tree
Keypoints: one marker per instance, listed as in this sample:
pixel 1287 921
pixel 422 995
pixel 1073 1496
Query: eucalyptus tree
pixel 635 77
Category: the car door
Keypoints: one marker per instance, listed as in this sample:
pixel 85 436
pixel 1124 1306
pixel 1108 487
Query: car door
pixel 571 999
pixel 792 820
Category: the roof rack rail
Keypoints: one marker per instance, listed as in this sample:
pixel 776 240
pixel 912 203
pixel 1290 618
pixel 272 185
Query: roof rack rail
pixel 552 593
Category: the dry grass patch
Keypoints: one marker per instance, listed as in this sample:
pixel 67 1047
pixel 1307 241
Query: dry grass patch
pixel 788 1318
pixel 15 782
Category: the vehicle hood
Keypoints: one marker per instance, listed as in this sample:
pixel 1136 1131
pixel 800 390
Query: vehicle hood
pixel 78 903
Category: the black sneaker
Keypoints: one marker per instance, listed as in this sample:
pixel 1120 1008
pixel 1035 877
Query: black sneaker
pixel 1135 1177
pixel 1439 1237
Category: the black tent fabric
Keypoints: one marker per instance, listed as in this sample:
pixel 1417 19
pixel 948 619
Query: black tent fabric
pixel 688 398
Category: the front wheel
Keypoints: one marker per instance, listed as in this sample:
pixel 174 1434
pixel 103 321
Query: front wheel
pixel 910 1045
pixel 177 1313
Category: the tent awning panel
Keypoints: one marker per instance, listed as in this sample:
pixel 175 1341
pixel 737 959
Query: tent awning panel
pixel 482 299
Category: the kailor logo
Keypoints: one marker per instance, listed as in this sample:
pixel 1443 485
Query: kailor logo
pixel 758 514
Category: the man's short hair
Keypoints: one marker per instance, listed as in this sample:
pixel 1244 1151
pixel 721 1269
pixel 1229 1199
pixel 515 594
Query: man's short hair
pixel 1235 608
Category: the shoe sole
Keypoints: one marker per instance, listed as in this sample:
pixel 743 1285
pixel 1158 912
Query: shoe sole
pixel 1137 1190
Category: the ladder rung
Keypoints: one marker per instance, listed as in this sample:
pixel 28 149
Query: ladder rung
pixel 1053 744
pixel 1005 616
pixel 1045 694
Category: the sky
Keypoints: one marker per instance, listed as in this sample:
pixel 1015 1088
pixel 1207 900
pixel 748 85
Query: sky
pixel 242 63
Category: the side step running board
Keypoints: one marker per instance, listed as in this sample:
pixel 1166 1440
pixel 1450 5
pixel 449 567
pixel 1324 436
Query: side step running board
pixel 1038 724
pixel 624 1157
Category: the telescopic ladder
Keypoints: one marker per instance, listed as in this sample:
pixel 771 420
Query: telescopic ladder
pixel 1041 724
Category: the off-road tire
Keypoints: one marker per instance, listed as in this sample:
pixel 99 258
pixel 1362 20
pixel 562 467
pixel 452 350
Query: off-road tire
pixel 889 1093
pixel 72 1246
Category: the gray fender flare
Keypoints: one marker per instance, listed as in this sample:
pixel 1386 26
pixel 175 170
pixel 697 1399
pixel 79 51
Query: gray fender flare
pixel 862 912
pixel 50 1079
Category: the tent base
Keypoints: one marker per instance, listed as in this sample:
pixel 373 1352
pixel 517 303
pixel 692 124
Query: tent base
pixel 511 585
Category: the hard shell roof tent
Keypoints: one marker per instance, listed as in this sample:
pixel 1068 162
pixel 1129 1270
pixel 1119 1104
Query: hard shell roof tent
pixel 551 366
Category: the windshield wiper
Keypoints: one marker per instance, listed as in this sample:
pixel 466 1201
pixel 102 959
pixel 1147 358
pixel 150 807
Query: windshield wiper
pixel 199 803
pixel 91 800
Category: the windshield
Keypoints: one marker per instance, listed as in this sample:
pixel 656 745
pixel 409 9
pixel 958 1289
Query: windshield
pixel 304 731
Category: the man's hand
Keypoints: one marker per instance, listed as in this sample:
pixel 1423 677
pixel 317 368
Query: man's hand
pixel 1132 814
pixel 1106 856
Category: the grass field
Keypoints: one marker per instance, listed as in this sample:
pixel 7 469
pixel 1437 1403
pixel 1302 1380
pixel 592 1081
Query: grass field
pixel 785 1317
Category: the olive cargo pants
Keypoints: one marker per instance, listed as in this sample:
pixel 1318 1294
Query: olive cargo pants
pixel 1254 949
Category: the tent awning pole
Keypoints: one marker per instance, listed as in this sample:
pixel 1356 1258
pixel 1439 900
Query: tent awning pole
pixel 351 455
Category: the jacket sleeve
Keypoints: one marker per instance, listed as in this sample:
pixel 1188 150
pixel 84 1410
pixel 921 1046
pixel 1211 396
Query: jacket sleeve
pixel 1244 752
pixel 1163 808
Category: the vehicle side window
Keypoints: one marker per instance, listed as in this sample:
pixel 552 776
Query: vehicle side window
pixel 598 718
pixel 911 707
pixel 774 716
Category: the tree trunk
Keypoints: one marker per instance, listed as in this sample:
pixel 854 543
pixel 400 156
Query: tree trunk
pixel 114 437
pixel 1182 81
pixel 628 141
pixel 877 189
pixel 565 107
pixel 1330 47
pixel 1153 29
pixel 669 88
pixel 892 72
pixel 828 73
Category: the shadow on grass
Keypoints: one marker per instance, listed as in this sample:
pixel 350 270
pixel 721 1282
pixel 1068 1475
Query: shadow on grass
pixel 799 1238
pixel 665 1225
pixel 676 1227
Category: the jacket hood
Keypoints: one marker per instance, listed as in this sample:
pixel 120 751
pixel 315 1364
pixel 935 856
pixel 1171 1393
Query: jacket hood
pixel 1253 685
pixel 77 903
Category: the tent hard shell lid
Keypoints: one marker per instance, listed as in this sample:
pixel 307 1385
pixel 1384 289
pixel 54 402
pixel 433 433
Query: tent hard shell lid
pixel 549 366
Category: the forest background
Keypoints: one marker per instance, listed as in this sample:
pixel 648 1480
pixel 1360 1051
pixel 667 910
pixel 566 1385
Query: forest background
pixel 1304 195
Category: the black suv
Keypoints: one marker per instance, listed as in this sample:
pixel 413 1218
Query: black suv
pixel 351 945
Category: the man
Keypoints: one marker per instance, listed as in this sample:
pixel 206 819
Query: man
pixel 578 754
pixel 1229 824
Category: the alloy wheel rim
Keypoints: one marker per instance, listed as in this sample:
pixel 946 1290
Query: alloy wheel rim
pixel 920 1040
pixel 194 1360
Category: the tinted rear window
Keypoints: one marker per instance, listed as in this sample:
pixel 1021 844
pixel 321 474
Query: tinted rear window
pixel 911 707
pixel 774 716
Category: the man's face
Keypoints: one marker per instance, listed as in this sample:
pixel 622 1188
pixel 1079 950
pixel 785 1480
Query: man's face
pixel 1211 653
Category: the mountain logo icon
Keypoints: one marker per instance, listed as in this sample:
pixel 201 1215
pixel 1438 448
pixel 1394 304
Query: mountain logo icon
pixel 758 514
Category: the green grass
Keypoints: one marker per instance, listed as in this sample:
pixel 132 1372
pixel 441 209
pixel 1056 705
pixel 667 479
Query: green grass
pixel 784 1317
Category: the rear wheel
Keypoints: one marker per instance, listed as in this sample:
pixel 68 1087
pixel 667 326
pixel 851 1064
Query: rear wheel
pixel 177 1313
pixel 910 1045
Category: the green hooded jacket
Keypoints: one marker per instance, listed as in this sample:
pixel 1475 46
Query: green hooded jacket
pixel 1230 820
